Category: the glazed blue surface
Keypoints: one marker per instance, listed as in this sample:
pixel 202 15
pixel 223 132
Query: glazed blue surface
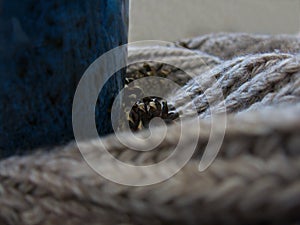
pixel 45 47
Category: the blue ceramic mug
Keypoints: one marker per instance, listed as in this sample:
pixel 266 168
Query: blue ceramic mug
pixel 45 47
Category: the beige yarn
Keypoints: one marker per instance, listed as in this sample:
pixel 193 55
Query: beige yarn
pixel 247 83
pixel 229 45
pixel 254 180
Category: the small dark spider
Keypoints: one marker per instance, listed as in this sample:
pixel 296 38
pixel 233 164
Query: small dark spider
pixel 143 111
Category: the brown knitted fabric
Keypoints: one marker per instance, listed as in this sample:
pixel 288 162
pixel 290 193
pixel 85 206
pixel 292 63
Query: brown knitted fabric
pixel 255 178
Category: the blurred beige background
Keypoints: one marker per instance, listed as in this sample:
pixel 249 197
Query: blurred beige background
pixel 174 19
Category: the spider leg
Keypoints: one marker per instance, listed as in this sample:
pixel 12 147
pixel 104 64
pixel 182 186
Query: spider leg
pixel 144 114
pixel 154 108
pixel 134 118
pixel 165 110
pixel 173 115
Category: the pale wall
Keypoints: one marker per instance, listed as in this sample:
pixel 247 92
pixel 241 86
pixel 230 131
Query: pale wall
pixel 175 19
